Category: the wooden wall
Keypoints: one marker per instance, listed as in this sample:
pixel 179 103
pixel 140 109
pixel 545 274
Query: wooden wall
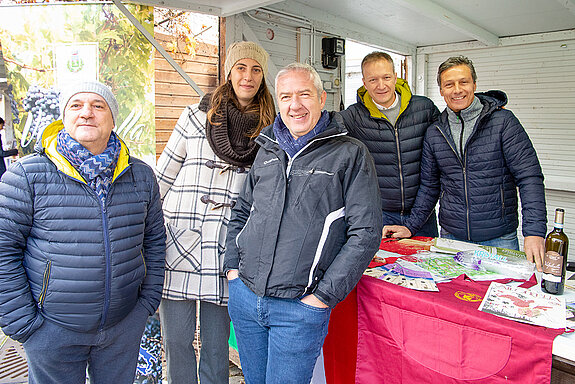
pixel 173 94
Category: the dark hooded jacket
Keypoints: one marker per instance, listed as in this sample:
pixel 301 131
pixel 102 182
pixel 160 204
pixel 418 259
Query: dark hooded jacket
pixel 309 224
pixel 396 150
pixel 478 192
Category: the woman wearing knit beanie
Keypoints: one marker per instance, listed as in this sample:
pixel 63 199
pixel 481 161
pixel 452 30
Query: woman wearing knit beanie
pixel 200 174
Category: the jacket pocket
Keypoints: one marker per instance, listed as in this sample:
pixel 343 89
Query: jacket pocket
pixel 45 281
pixel 182 246
pixel 502 194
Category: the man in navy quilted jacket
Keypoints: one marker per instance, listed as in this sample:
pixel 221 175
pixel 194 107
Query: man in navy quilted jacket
pixel 474 159
pixel 392 122
pixel 82 247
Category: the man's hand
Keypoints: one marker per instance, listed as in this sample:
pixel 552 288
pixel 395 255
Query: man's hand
pixel 313 301
pixel 232 274
pixel 396 231
pixel 534 247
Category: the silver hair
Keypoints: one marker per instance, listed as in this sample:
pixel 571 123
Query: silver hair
pixel 301 67
pixel 453 62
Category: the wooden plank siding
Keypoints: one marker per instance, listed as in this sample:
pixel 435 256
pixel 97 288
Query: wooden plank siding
pixel 172 92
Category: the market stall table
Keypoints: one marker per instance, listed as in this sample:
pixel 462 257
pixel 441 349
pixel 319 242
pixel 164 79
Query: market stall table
pixel 384 333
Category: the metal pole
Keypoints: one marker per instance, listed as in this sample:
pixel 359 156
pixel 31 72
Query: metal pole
pixel 157 45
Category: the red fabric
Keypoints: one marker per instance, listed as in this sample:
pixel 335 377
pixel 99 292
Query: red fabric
pixel 381 360
pixel 340 345
pixel 395 245
pixel 407 336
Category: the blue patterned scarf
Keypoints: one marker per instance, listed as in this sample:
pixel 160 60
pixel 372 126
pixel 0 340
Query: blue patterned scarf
pixel 291 145
pixel 97 170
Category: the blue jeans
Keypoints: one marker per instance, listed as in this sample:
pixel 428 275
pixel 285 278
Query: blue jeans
pixel 508 241
pixel 58 355
pixel 279 340
pixel 178 321
pixel 429 229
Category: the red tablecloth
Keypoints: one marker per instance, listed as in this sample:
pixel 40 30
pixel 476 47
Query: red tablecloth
pixel 383 333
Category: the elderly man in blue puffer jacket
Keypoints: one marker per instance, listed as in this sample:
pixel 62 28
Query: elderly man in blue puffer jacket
pixel 82 246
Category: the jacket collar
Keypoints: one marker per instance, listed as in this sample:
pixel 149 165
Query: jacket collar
pixel 47 145
pixel 491 101
pixel 401 87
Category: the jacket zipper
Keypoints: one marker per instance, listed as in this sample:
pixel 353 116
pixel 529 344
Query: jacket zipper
pixel 463 165
pixel 45 280
pixel 400 170
pixel 107 278
pixel 502 202
pixel 291 160
pixel 144 262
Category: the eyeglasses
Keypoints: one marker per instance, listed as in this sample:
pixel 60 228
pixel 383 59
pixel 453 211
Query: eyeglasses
pixel 212 164
pixel 206 200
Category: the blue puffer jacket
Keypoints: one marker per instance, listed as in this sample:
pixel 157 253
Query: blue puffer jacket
pixel 66 258
pixel 478 193
pixel 396 150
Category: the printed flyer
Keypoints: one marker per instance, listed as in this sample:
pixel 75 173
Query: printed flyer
pixel 524 305
pixel 405 274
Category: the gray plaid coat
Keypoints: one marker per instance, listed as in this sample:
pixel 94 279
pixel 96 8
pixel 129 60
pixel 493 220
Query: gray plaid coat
pixel 198 190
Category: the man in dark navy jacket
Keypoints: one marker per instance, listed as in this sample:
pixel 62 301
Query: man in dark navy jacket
pixel 392 122
pixel 474 159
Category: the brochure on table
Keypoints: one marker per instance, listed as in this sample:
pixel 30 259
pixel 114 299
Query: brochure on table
pixel 524 305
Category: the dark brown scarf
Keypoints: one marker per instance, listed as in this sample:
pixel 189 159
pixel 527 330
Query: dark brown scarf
pixel 228 136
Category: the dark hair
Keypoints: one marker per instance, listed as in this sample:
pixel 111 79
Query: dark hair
pixel 1 121
pixel 262 104
pixel 453 62
pixel 377 56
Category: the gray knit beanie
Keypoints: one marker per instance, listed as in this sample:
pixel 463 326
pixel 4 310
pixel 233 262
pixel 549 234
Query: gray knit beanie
pixel 90 87
pixel 245 50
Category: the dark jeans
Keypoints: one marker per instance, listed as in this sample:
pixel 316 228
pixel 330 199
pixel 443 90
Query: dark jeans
pixel 429 229
pixel 58 355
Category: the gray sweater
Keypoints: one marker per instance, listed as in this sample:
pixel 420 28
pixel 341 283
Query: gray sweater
pixel 462 123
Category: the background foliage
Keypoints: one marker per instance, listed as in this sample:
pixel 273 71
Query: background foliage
pixel 28 34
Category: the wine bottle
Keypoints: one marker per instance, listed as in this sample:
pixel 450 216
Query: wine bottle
pixel 555 261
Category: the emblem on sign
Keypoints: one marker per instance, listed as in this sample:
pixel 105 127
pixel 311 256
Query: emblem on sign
pixel 75 64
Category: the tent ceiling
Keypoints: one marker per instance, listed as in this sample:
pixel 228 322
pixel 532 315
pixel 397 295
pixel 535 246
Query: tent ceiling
pixel 415 22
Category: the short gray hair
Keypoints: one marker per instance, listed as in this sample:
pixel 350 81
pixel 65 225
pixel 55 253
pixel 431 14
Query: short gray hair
pixel 453 62
pixel 301 67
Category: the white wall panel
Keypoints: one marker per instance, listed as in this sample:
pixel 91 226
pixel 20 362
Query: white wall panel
pixel 287 44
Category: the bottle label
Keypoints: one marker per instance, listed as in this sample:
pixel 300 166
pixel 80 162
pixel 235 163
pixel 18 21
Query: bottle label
pixel 553 265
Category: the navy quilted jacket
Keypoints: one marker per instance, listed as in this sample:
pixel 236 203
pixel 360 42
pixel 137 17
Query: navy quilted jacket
pixel 66 258
pixel 396 150
pixel 478 193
